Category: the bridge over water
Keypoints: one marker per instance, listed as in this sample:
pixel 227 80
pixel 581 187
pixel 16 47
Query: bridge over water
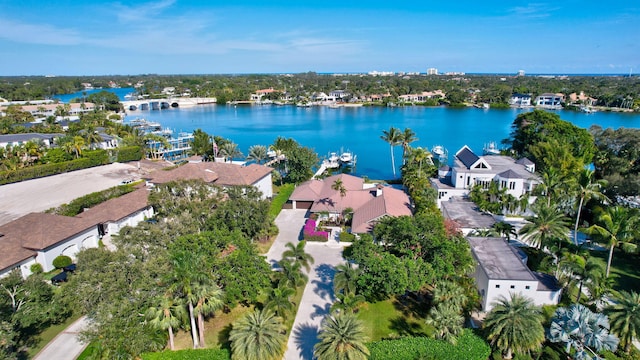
pixel 160 104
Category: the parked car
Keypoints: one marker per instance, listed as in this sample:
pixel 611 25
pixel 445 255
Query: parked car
pixel 62 277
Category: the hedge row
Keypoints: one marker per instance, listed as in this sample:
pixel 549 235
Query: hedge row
pixel 89 159
pixel 200 354
pixel 78 205
pixel 129 153
pixel 468 347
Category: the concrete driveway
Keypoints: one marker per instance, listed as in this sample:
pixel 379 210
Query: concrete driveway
pixel 38 195
pixel 290 223
pixel 66 344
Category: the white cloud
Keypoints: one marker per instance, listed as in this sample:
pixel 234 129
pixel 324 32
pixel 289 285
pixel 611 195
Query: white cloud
pixel 533 10
pixel 42 34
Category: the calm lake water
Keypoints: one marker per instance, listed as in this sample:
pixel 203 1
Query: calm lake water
pixel 358 129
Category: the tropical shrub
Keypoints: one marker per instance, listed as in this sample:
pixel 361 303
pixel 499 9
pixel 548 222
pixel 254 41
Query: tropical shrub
pixel 78 205
pixel 311 234
pixel 36 268
pixel 62 261
pixel 468 347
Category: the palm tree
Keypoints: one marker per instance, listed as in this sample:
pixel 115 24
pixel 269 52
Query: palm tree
pixel 419 155
pixel 407 137
pixel 279 300
pixel 582 270
pixel 167 316
pixel 505 229
pixel 291 274
pixel 339 186
pixel 344 280
pixel 187 272
pixel 208 298
pixel 77 144
pixel 229 151
pixel 260 335
pixel 624 316
pixel 616 226
pixel 548 224
pixel 447 321
pixel 587 189
pixel 514 324
pixel 582 329
pixel 341 337
pixel 257 153
pixel 553 185
pixel 449 292
pixel 297 254
pixel 393 137
pixel 347 302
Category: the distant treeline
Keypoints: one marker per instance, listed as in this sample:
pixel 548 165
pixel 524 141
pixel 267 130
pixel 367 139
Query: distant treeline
pixel 613 91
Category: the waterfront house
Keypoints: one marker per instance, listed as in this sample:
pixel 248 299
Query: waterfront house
pixel 45 110
pixel 582 99
pixel 422 97
pixel 501 270
pixel 517 177
pixel 549 101
pixel 520 100
pixel 368 202
pixel 258 95
pixel 20 139
pixel 339 94
pixel 178 149
pixel 221 174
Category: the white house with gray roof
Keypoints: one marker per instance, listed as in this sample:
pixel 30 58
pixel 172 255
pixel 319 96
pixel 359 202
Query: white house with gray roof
pixel 501 270
pixel 21 139
pixel 517 177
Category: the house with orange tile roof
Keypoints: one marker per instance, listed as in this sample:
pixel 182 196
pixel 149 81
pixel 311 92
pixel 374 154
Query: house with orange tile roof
pixel 222 174
pixel 369 202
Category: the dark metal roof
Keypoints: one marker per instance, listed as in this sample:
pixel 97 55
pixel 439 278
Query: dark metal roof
pixel 467 157
pixel 524 161
pixel 510 174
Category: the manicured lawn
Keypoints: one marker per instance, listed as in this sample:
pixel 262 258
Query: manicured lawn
pixel 624 269
pixel 283 192
pixel 48 334
pixel 393 318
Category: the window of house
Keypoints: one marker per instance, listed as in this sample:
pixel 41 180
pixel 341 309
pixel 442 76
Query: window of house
pixel 512 185
pixel 512 286
pixel 503 184
pixel 527 287
pixel 497 286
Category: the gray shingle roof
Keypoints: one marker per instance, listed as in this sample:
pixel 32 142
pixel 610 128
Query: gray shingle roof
pixel 524 161
pixel 467 157
pixel 510 174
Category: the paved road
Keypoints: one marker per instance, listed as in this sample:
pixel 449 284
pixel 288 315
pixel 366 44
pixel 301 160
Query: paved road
pixel 65 345
pixel 37 195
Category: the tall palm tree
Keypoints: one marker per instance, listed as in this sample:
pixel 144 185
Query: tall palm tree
pixel 187 273
pixel 407 137
pixel 514 324
pixel 208 298
pixel 168 315
pixel 257 153
pixel 279 300
pixel 582 270
pixel 230 151
pixel 615 227
pixel 447 321
pixel 553 185
pixel 582 329
pixel 77 145
pixel 297 254
pixel 347 302
pixel 341 337
pixel 419 155
pixel 393 136
pixel 344 280
pixel 587 188
pixel 624 316
pixel 547 225
pixel 259 335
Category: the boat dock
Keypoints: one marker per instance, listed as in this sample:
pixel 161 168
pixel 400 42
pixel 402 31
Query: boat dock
pixel 334 162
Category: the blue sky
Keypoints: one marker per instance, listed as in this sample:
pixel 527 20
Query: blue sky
pixel 70 37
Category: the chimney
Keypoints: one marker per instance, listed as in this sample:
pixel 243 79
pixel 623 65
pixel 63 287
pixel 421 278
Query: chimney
pixel 379 190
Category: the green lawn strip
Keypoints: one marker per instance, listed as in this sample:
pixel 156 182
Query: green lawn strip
pixel 48 334
pixel 393 318
pixel 87 353
pixel 624 269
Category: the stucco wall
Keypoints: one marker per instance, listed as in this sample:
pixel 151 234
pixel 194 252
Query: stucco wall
pixel 265 186
pixel 86 239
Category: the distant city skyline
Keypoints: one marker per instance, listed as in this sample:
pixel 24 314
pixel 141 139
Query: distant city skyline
pixel 210 37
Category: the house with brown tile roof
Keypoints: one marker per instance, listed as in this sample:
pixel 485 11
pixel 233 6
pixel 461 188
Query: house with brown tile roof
pixel 220 173
pixel 127 210
pixel 369 202
pixel 41 237
pixel 46 236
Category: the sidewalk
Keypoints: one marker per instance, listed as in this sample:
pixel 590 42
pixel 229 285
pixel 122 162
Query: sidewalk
pixel 65 345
